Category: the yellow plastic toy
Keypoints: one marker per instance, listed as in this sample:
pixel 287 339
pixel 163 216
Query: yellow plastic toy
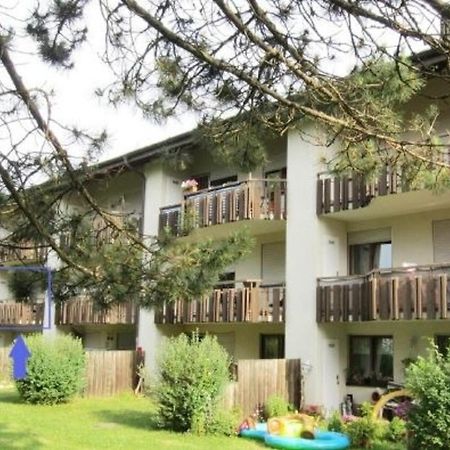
pixel 385 398
pixel 293 425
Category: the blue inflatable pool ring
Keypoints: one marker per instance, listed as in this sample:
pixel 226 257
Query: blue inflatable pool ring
pixel 259 432
pixel 323 440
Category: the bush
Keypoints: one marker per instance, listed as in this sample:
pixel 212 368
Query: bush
pixel 224 422
pixel 335 422
pixel 396 430
pixel 428 380
pixel 276 406
pixel 364 431
pixel 192 374
pixel 55 370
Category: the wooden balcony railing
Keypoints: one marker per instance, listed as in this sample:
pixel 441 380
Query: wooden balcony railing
pixel 21 314
pixel 252 199
pixel 389 294
pixel 340 193
pixel 244 302
pixel 82 311
pixel 24 252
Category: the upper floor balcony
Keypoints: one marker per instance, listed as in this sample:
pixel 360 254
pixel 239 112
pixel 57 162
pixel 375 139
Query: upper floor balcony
pixel 21 314
pixel 83 311
pixel 245 301
pixel 24 253
pixel 353 196
pixel 410 293
pixel 237 201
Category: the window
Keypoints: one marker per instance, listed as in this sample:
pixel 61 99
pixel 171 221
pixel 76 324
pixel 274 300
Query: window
pixel 365 257
pixel 272 346
pixel 226 280
pixel 222 181
pixel 442 343
pixel 371 360
pixel 279 173
pixel 202 180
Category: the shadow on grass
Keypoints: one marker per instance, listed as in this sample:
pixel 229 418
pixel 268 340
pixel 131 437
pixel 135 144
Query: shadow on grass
pixel 10 440
pixel 130 418
pixel 10 396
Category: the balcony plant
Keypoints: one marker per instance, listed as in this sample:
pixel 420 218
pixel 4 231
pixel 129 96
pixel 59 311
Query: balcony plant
pixel 189 186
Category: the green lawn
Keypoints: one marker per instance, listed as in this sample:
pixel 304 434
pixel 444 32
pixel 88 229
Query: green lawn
pixel 123 422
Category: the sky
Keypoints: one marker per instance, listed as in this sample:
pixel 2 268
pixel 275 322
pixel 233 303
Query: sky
pixel 74 101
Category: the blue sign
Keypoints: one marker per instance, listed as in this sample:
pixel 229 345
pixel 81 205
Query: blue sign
pixel 19 354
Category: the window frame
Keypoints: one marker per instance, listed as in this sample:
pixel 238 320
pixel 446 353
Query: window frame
pixel 372 382
pixel 263 344
pixel 372 249
pixel 439 336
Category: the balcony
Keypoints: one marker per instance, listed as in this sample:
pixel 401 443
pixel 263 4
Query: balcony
pixel 245 301
pixel 21 314
pixel 82 311
pixel 413 293
pixel 341 193
pixel 252 199
pixel 22 253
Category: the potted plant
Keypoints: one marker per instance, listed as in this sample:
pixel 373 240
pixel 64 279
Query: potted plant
pixel 189 186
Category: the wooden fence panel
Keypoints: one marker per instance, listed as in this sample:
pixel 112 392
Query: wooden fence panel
pixel 258 379
pixel 5 366
pixel 110 372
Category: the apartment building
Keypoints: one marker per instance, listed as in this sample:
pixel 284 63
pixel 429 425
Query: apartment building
pixel 349 275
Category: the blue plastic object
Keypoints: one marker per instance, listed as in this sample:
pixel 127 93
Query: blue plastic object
pixel 258 433
pixel 323 440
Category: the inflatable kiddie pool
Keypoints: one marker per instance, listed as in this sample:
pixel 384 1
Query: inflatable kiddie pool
pixel 319 440
pixel 324 440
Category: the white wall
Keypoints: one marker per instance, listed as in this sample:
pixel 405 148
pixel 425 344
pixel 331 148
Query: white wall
pixel 161 189
pixel 250 267
pixel 307 239
pixel 412 235
pixel 246 336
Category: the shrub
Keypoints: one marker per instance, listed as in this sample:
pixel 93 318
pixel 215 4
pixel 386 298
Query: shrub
pixel 428 379
pixel 55 370
pixel 224 422
pixel 396 430
pixel 362 432
pixel 365 430
pixel 335 422
pixel 276 406
pixel 192 375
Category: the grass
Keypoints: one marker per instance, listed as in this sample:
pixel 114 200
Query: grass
pixel 121 422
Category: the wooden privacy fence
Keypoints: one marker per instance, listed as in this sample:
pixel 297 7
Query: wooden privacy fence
pixel 5 365
pixel 110 372
pixel 252 199
pixel 258 379
pixel 107 372
pixel 386 294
